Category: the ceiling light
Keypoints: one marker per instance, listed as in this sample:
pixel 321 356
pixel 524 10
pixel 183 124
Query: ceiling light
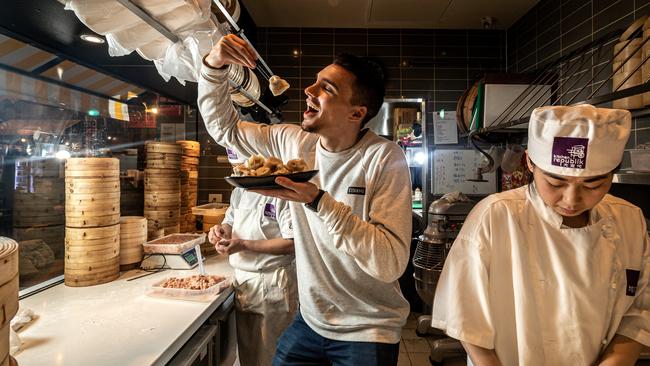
pixel 92 38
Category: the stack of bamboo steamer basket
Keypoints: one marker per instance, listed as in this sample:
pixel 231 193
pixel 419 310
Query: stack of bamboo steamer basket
pixel 133 234
pixel 645 69
pixel 628 47
pixel 38 211
pixel 189 183
pixel 8 294
pixel 92 233
pixel 162 190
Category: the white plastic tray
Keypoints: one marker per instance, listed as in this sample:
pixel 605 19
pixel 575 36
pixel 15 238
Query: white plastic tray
pixel 158 247
pixel 206 295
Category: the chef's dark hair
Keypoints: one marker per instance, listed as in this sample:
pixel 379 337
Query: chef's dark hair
pixel 370 83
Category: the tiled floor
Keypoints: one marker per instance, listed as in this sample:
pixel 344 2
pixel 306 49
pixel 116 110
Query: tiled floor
pixel 415 350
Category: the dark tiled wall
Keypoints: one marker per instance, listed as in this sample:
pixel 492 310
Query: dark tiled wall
pixel 554 28
pixel 437 65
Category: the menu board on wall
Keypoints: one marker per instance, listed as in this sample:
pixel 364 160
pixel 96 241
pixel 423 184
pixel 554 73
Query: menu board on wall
pixel 452 168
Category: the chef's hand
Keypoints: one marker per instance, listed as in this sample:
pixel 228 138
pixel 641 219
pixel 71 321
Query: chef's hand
pixel 231 50
pixel 230 246
pixel 219 232
pixel 292 191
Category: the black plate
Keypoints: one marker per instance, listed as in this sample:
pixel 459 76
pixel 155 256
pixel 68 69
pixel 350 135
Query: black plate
pixel 269 181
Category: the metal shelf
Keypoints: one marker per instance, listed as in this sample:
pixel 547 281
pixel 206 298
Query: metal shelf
pixel 515 114
pixel 632 177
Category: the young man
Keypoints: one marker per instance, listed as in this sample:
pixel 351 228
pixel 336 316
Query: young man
pixel 258 237
pixel 556 272
pixel 351 224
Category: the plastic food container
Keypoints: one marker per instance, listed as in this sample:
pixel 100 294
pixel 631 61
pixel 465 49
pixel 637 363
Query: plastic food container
pixel 209 294
pixel 640 159
pixel 173 243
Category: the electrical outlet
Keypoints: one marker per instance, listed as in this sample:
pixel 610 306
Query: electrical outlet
pixel 215 198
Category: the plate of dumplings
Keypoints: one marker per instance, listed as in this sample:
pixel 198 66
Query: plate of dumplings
pixel 260 172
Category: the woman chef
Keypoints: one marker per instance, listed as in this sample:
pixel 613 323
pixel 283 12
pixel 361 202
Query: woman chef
pixel 258 236
pixel 556 272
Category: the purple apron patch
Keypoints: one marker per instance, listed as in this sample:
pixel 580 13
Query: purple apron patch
pixel 269 210
pixel 569 152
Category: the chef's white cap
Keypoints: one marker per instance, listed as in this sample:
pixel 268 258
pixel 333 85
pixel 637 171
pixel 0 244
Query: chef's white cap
pixel 234 156
pixel 578 141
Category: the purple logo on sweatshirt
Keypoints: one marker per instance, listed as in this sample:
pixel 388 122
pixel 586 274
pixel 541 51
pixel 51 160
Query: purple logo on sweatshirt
pixel 269 210
pixel 569 152
pixel 232 155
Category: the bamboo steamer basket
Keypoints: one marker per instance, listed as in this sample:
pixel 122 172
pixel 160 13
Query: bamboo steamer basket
pixel 163 156
pixel 164 182
pixel 190 148
pixel 133 233
pixel 163 164
pixel 163 147
pixel 8 300
pixel 154 233
pixel 160 173
pixel 163 214
pixel 8 290
pixel 98 174
pixel 112 183
pixel 90 275
pixel 78 245
pixel 92 221
pixel 162 210
pixel 189 160
pixel 80 258
pixel 97 203
pixel 88 271
pixel 82 164
pixel 92 233
pixel 97 196
pixel 8 259
pixel 132 224
pixel 161 196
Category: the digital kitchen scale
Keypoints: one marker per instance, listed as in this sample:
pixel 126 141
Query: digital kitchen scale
pixel 185 260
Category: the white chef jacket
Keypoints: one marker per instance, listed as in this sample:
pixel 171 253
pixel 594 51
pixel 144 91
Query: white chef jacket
pixel 266 289
pixel 516 280
pixel 260 217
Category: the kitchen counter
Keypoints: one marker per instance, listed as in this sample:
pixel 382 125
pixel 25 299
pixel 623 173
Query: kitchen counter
pixel 114 323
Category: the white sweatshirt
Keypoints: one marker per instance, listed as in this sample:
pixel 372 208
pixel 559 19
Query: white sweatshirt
pixel 349 254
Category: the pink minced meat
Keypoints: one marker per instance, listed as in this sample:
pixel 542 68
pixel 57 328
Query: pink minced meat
pixel 196 282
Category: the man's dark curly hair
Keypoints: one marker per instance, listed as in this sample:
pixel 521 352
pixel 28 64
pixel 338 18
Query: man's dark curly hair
pixel 370 84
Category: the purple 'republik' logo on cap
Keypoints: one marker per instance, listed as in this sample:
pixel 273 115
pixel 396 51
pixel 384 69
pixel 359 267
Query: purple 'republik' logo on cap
pixel 569 152
pixel 269 210
pixel 231 154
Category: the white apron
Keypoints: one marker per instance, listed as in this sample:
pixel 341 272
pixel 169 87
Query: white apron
pixel 266 299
